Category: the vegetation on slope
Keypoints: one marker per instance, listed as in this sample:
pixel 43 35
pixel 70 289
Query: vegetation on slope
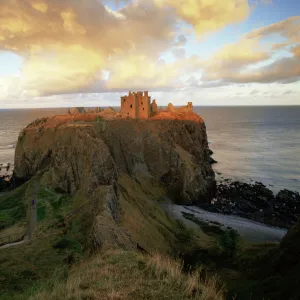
pixel 12 207
pixel 61 262
pixel 61 252
pixel 128 275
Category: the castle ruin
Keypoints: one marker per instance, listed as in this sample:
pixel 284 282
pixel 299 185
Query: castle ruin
pixel 181 109
pixel 135 105
pixel 138 105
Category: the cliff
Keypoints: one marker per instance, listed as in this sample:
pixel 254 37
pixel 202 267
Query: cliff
pixel 86 155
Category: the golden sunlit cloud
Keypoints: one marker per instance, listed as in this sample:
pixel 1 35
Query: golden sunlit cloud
pixel 66 44
pixel 232 62
pixel 39 5
pixel 156 74
pixel 209 15
pixel 296 51
pixel 61 69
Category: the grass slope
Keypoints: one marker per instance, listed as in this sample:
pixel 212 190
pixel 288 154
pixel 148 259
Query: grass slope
pixel 12 207
pixel 128 275
pixel 57 262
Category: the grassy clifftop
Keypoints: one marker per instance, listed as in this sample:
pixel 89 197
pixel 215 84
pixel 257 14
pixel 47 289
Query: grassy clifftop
pixel 80 251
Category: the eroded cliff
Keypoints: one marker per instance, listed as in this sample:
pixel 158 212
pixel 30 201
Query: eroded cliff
pixel 73 156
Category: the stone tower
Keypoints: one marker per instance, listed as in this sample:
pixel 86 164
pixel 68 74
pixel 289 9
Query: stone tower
pixel 136 105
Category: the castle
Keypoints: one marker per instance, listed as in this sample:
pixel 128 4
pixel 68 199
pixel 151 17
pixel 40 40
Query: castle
pixel 138 105
pixel 135 105
pixel 181 109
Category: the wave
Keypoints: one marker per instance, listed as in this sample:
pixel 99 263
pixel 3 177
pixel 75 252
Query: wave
pixel 10 146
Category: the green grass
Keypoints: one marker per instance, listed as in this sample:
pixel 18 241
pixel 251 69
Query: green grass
pixel 12 207
pixel 52 205
pixel 27 266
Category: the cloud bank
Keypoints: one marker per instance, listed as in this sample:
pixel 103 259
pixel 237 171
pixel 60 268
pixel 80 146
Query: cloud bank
pixel 83 46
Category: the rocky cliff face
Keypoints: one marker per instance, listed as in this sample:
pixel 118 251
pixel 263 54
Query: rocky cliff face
pixel 72 156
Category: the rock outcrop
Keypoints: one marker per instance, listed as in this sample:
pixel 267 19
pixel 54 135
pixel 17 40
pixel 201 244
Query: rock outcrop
pixel 73 156
pixel 255 201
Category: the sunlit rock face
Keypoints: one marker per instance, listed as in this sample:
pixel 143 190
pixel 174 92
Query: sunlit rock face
pixel 88 153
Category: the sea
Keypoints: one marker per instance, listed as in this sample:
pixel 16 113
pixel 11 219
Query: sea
pixel 249 143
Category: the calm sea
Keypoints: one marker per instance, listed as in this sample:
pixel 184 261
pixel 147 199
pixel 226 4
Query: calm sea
pixel 249 143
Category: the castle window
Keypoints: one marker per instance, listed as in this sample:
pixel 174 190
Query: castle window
pixel 142 102
pixel 130 105
pixel 124 100
pixel 143 108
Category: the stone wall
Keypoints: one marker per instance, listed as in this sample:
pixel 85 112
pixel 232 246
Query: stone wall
pixel 182 109
pixel 144 108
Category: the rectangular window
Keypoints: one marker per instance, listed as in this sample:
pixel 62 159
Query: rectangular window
pixel 130 105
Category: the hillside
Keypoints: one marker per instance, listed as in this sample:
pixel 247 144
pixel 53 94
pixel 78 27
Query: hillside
pixel 100 231
pixel 97 187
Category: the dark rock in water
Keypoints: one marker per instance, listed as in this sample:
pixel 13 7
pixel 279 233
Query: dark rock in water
pixel 4 183
pixel 255 201
pixel 210 152
pixel 9 182
pixel 212 161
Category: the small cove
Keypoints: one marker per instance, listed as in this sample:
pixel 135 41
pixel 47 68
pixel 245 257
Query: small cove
pixel 252 231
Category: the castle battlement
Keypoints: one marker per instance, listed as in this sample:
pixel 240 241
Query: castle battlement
pixel 138 105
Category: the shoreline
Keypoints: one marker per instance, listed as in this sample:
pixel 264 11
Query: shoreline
pixel 250 230
pixel 255 201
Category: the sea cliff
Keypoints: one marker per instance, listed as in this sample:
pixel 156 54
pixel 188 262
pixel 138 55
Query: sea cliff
pixel 82 154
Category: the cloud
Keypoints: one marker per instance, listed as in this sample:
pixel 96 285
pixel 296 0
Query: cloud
pixel 179 53
pixel 239 62
pixel 67 43
pixel 83 46
pixel 296 51
pixel 254 92
pixel 140 72
pixel 208 15
pixel 288 28
pixel 286 70
pixel 232 58
pixel 279 46
pixel 181 40
pixel 288 92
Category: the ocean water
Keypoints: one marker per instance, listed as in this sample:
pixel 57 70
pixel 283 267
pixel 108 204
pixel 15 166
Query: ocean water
pixel 256 143
pixel 12 122
pixel 249 143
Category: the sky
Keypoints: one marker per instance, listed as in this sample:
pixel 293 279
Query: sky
pixel 66 53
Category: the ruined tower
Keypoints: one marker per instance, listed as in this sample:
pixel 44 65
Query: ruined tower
pixel 136 105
